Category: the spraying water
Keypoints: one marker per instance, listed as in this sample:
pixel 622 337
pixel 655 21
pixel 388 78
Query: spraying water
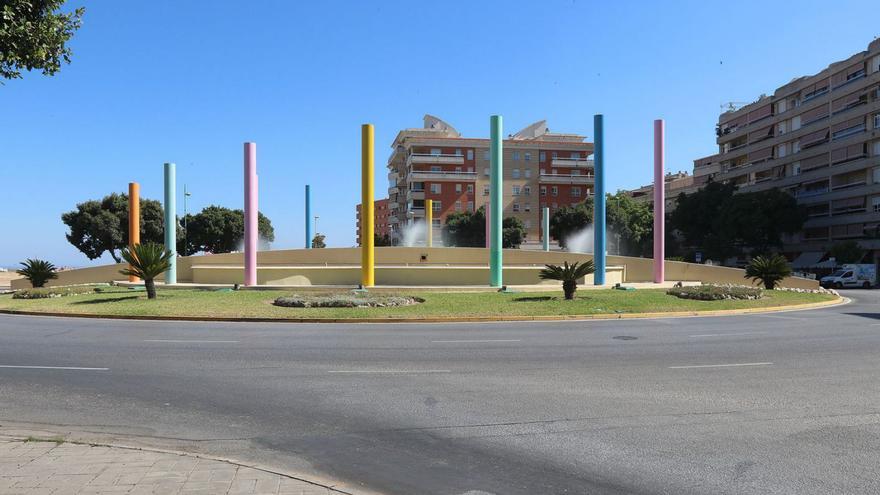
pixel 581 241
pixel 414 234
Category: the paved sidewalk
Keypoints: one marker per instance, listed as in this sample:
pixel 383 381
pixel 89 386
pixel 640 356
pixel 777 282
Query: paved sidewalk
pixel 47 468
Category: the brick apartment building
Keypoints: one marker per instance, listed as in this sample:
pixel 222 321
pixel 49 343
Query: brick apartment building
pixel 381 214
pixel 818 138
pixel 435 162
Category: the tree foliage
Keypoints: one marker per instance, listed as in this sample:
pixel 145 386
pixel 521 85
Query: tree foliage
pixel 632 221
pixel 568 274
pixel 34 36
pixel 217 229
pixel 769 270
pixel 847 252
pixel 468 229
pixel 318 241
pixel 569 219
pixel 381 240
pixel 37 272
pixel 99 226
pixel 146 262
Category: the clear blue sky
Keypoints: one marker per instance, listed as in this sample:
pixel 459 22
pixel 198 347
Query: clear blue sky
pixel 190 81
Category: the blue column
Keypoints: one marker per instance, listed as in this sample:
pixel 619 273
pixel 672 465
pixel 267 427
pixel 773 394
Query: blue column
pixel 599 202
pixel 495 198
pixel 171 221
pixel 308 217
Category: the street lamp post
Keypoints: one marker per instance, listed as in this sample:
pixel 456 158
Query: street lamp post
pixel 316 225
pixel 185 246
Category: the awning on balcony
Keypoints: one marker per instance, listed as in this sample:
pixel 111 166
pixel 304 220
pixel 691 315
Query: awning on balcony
pixel 807 259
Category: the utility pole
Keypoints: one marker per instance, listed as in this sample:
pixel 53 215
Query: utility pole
pixel 185 246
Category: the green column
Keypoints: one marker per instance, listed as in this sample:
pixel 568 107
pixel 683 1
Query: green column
pixel 545 227
pixel 496 179
pixel 171 221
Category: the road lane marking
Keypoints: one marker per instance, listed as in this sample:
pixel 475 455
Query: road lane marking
pixel 171 341
pixel 725 334
pixel 717 365
pixel 390 371
pixel 69 368
pixel 473 341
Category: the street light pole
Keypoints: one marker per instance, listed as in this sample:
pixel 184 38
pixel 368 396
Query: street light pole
pixel 185 246
pixel 316 225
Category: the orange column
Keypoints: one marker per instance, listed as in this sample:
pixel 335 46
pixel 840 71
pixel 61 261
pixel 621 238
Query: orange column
pixel 134 218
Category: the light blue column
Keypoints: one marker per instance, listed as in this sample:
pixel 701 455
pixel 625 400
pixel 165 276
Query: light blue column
pixel 495 199
pixel 308 217
pixel 599 202
pixel 545 227
pixel 171 221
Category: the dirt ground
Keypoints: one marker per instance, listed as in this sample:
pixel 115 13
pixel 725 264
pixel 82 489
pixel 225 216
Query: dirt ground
pixel 6 277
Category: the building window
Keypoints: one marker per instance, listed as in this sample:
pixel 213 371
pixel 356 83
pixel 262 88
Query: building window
pixel 470 170
pixel 527 156
pixel 470 206
pixel 458 170
pixel 458 206
pixel 435 205
pixel 486 172
pixel 575 171
pixel 576 191
pixel 485 190
pixel 877 121
pixel 435 168
pixel 555 206
pixel 458 152
pixel 528 173
pixel 555 155
pixel 435 222
pixel 516 156
pixel 514 173
pixel 486 155
pixel 470 189
pixel 554 191
pixel 554 172
pixel 527 190
pixel 516 190
pixel 470 154
pixel 435 188
pixel 875 203
pixel 527 224
pixel 542 156
pixel 575 155
pixel 516 207
pixel 543 190
pixel 527 207
pixel 435 151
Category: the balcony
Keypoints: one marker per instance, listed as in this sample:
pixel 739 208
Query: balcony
pixel 393 190
pixel 565 179
pixel 572 162
pixel 423 175
pixel 435 159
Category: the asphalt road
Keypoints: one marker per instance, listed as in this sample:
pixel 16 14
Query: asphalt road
pixel 776 403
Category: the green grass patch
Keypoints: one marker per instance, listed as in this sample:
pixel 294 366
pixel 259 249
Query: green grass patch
pixel 258 304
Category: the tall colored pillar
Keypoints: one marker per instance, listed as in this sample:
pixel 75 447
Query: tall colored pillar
pixel 134 219
pixel 250 214
pixel 171 221
pixel 488 214
pixel 545 227
pixel 495 179
pixel 599 202
pixel 659 201
pixel 429 222
pixel 309 236
pixel 367 252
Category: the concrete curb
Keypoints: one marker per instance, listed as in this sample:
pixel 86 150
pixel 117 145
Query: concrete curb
pixel 451 319
pixel 296 476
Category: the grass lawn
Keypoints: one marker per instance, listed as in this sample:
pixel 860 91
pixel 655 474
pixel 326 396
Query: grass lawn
pixel 257 303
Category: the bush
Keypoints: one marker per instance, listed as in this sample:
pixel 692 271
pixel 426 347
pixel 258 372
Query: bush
pixel 717 292
pixel 52 292
pixel 37 272
pixel 345 301
pixel 769 270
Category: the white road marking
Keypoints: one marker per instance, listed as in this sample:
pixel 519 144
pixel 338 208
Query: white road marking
pixel 473 341
pixel 171 341
pixel 725 334
pixel 390 371
pixel 718 365
pixel 69 368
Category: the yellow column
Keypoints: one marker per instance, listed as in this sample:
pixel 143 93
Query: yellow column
pixel 134 219
pixel 429 222
pixel 367 216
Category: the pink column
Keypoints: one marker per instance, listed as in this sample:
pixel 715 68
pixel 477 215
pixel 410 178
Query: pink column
pixel 250 214
pixel 659 201
pixel 488 223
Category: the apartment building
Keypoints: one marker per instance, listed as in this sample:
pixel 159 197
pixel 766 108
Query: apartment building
pixel 675 184
pixel 381 216
pixel 435 162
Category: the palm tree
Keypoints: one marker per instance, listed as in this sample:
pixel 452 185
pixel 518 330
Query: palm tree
pixel 569 274
pixel 38 272
pixel 146 261
pixel 770 270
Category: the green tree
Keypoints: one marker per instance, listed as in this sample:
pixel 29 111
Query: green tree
pixel 568 274
pixel 633 221
pixel 847 252
pixel 381 240
pixel 468 229
pixel 217 229
pixel 769 270
pixel 569 219
pixel 34 36
pixel 318 241
pixel 756 221
pixel 99 226
pixel 37 272
pixel 513 233
pixel 146 262
pixel 697 219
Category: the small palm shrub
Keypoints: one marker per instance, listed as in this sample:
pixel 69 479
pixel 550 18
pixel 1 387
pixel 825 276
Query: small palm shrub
pixel 146 261
pixel 769 270
pixel 568 274
pixel 38 272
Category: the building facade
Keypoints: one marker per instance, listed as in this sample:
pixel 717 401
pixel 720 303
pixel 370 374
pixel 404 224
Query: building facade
pixel 435 162
pixel 381 215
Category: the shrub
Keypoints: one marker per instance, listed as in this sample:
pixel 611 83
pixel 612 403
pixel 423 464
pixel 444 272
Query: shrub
pixel 569 274
pixel 46 293
pixel 345 301
pixel 38 272
pixel 146 261
pixel 770 270
pixel 716 292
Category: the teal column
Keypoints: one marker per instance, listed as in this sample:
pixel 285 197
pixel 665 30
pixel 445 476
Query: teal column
pixel 308 217
pixel 599 202
pixel 171 221
pixel 545 227
pixel 496 178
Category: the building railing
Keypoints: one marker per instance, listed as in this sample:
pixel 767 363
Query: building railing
pixel 571 162
pixel 436 159
pixel 429 175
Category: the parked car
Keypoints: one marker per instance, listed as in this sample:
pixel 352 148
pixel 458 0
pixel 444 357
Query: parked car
pixel 864 276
